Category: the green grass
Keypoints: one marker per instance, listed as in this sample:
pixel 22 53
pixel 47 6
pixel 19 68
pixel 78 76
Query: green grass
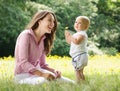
pixel 102 74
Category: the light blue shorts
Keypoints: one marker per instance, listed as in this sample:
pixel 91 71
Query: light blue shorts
pixel 80 61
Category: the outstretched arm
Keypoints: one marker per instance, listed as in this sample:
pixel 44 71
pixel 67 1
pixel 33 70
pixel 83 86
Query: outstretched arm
pixel 67 37
pixel 76 40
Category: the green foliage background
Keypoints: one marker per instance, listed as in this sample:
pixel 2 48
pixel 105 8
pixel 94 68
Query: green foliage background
pixel 104 32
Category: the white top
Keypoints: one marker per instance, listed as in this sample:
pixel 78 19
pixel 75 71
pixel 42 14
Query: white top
pixel 76 49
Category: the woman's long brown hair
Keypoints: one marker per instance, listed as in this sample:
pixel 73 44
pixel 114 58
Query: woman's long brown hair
pixel 48 42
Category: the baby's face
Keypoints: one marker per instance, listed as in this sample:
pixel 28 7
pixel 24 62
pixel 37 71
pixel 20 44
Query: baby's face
pixel 79 25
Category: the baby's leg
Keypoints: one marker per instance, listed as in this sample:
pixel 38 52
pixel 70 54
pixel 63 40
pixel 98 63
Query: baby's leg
pixel 82 74
pixel 79 75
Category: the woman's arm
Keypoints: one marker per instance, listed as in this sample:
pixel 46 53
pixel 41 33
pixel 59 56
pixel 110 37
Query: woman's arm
pixel 45 66
pixel 21 54
pixel 48 76
pixel 56 72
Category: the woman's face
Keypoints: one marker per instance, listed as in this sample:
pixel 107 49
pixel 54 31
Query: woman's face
pixel 47 24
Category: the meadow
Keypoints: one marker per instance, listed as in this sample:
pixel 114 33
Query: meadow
pixel 102 74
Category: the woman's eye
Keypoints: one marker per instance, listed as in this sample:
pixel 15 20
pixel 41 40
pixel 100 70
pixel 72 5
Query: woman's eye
pixel 50 20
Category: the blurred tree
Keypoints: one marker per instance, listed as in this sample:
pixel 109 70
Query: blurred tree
pixel 104 16
pixel 12 20
pixel 107 24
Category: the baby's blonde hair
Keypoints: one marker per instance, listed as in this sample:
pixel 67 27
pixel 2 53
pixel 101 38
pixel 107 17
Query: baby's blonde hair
pixel 85 20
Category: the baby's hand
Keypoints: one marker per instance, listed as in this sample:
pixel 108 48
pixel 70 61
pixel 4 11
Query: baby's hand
pixel 67 33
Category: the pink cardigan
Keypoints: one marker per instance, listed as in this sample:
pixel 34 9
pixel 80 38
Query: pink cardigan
pixel 29 53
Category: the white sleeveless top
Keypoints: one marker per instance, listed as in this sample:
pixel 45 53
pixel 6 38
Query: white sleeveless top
pixel 76 49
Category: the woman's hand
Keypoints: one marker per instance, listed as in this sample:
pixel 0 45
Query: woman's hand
pixel 57 74
pixel 48 76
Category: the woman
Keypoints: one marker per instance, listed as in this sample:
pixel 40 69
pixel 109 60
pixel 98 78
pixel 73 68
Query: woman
pixel 32 45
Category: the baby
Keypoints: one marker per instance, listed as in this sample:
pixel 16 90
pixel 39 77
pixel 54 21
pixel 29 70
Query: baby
pixel 78 45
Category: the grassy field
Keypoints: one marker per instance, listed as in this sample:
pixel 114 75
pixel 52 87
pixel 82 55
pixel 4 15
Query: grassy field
pixel 102 74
